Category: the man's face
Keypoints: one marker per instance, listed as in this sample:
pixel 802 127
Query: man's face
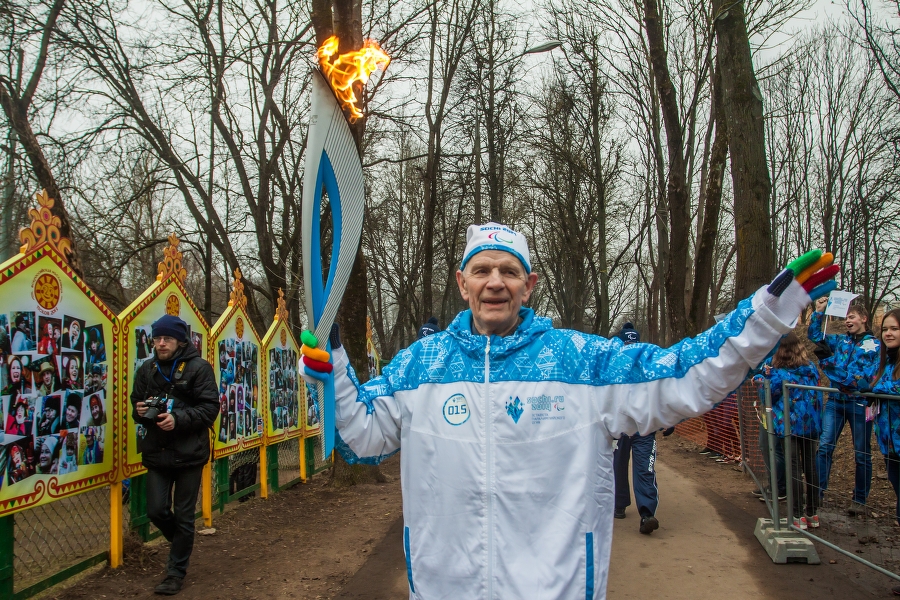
pixel 96 380
pixel 71 413
pixel 495 285
pixel 49 413
pixel 855 323
pixel 48 377
pixel 165 347
pixel 95 411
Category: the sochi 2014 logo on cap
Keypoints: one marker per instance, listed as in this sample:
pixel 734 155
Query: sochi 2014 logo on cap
pixel 499 236
pixel 456 409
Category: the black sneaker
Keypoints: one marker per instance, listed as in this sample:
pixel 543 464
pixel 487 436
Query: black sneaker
pixel 170 586
pixel 706 450
pixel 757 493
pixel 649 525
pixel 620 513
pixel 713 455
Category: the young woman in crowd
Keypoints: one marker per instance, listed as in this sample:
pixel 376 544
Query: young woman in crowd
pixel 791 364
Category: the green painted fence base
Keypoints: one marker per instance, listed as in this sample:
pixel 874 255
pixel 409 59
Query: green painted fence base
pixel 7 550
pixel 59 577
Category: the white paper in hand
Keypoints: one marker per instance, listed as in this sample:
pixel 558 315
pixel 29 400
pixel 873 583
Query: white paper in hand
pixel 838 303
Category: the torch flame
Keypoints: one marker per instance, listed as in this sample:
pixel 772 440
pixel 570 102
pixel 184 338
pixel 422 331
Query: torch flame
pixel 347 69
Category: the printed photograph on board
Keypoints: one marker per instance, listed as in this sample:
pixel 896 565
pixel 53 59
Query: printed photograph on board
pixel 23 333
pixel 68 462
pixel 48 448
pixel 95 380
pixel 72 372
pixel 91 444
pixel 19 377
pixel 20 415
pixel 50 336
pixel 93 411
pixel 144 345
pixel 96 348
pixel 72 411
pixel 73 333
pixel 46 376
pixel 21 463
pixel 49 415
pixel 4 342
pixel 283 388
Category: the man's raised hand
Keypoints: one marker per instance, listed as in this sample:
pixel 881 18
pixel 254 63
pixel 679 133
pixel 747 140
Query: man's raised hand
pixel 315 359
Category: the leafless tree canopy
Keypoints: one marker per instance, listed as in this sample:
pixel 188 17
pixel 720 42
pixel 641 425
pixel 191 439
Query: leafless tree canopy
pixel 661 166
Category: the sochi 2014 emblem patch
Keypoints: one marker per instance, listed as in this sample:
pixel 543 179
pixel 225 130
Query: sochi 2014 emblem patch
pixel 456 409
pixel 514 409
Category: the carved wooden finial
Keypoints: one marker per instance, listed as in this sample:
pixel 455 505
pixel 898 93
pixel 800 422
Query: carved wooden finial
pixel 44 228
pixel 237 293
pixel 171 262
pixel 281 313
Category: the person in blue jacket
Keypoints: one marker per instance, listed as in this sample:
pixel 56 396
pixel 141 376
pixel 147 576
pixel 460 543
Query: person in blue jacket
pixel 791 364
pixel 508 424
pixel 641 449
pixel 836 352
pixel 430 327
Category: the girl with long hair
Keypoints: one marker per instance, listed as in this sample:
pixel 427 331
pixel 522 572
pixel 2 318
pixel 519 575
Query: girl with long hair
pixel 886 380
pixel 792 364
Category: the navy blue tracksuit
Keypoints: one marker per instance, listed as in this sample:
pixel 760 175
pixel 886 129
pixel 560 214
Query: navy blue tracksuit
pixel 646 495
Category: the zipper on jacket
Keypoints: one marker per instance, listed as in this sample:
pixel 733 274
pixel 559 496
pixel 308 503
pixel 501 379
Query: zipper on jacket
pixel 489 415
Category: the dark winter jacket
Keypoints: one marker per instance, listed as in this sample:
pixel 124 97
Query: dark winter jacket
pixel 194 402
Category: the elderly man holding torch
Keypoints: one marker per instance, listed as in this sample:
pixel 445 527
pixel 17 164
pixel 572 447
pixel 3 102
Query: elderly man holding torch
pixel 507 424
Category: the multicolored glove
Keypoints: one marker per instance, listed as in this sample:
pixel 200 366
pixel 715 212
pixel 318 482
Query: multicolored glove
pixel 315 359
pixel 814 271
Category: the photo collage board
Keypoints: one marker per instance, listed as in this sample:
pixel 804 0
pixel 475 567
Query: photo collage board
pixel 236 354
pixel 57 408
pixel 281 397
pixel 161 298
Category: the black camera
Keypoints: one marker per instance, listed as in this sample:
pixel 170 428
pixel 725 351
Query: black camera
pixel 155 406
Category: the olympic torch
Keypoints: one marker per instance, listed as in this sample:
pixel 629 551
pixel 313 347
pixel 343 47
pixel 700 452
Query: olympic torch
pixel 333 164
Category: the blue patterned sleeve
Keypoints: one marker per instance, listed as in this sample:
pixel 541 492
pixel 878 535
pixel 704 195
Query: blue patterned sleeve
pixel 816 330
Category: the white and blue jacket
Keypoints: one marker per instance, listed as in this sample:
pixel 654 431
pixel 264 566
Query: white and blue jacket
pixel 507 464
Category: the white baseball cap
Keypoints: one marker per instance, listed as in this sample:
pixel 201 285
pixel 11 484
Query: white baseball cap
pixel 494 236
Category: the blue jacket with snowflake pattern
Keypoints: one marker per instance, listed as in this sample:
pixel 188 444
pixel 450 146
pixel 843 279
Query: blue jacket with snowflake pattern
pixel 806 405
pixel 507 474
pixel 860 351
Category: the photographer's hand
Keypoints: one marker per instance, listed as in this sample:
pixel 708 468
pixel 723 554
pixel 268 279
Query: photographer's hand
pixel 166 422
pixel 141 408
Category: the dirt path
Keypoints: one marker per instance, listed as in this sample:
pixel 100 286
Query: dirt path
pixel 314 542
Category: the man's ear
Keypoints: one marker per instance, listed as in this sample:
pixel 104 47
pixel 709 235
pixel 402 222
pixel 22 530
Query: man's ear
pixel 530 282
pixel 461 282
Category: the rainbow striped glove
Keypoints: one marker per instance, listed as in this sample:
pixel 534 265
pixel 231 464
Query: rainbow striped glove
pixel 814 271
pixel 315 360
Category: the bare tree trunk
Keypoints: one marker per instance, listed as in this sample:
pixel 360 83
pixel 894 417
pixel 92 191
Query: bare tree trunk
pixel 15 103
pixel 709 230
pixel 746 141
pixel 344 18
pixel 676 186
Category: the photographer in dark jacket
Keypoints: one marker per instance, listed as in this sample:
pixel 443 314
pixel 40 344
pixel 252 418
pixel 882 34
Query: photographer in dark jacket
pixel 175 446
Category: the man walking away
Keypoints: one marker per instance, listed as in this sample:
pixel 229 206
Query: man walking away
pixel 431 326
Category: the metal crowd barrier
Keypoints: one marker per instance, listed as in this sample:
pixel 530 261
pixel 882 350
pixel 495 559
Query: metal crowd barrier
pixel 833 520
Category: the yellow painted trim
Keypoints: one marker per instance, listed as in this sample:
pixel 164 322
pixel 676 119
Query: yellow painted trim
pixel 115 525
pixel 263 472
pixel 302 454
pixel 206 502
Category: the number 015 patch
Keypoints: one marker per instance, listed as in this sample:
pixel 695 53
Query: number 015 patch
pixel 456 409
